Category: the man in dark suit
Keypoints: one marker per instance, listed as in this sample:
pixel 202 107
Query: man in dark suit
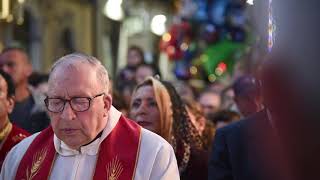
pixel 281 142
pixel 274 143
pixel 248 150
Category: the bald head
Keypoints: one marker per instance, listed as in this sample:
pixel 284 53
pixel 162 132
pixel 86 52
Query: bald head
pixel 82 63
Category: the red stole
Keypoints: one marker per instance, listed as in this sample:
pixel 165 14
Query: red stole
pixel 15 136
pixel 114 161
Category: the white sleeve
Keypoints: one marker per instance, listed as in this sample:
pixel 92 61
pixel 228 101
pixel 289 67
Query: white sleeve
pixel 13 158
pixel 165 166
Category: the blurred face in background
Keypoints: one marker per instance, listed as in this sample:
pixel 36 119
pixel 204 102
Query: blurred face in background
pixel 134 58
pixel 210 102
pixel 185 91
pixel 227 97
pixel 16 64
pixel 142 72
pixel 144 109
pixel 6 103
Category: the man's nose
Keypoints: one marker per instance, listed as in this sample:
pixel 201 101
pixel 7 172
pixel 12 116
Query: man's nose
pixel 67 112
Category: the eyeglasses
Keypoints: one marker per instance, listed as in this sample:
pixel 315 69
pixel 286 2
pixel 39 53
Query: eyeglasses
pixel 78 104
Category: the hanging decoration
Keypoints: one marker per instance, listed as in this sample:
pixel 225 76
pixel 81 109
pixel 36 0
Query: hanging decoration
pixel 208 39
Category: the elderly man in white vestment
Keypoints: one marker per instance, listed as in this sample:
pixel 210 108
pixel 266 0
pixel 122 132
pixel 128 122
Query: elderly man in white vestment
pixel 88 138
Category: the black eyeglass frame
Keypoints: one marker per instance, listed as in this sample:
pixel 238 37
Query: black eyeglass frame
pixel 46 101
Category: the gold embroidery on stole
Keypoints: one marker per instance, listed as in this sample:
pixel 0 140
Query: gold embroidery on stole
pixel 18 137
pixel 114 169
pixel 36 163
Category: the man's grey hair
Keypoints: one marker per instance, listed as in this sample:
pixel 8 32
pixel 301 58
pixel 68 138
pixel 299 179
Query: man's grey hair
pixel 102 73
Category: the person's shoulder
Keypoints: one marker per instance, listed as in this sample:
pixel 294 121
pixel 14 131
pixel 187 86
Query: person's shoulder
pixel 15 155
pixel 25 143
pixel 233 127
pixel 244 123
pixel 17 135
pixel 153 143
pixel 20 131
pixel 152 138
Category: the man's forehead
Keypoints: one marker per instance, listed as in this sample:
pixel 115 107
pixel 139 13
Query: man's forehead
pixel 14 55
pixel 70 71
pixel 74 63
pixel 73 84
pixel 60 75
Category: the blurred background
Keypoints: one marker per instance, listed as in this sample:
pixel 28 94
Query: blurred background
pixel 198 41
pixel 211 50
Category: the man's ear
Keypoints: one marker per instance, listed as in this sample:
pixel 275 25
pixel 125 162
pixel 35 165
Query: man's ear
pixel 10 104
pixel 28 70
pixel 107 99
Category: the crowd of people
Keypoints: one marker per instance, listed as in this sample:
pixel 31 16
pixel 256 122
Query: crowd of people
pixel 143 128
pixel 186 123
pixel 78 123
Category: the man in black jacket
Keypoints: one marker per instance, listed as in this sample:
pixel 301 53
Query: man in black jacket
pixel 247 150
pixel 282 141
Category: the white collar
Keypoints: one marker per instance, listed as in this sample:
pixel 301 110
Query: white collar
pixel 93 147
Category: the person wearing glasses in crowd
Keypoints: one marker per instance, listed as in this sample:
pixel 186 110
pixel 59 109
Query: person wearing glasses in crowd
pixel 88 138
